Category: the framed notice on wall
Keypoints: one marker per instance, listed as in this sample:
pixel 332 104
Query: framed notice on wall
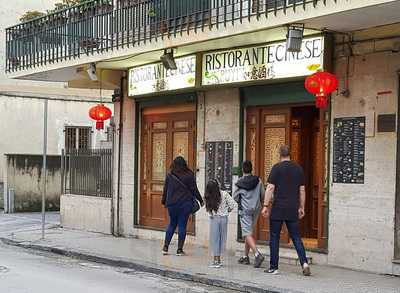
pixel 219 163
pixel 349 150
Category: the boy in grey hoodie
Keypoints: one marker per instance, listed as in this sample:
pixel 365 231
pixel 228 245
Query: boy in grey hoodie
pixel 249 194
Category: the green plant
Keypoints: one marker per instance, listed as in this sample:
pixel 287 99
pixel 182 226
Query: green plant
pixel 29 15
pixel 152 12
pixel 32 14
pixel 65 4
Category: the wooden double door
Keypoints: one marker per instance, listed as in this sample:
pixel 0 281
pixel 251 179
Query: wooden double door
pixel 303 129
pixel 166 133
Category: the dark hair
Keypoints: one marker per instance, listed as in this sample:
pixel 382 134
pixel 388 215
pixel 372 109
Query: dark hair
pixel 247 167
pixel 212 196
pixel 284 151
pixel 179 166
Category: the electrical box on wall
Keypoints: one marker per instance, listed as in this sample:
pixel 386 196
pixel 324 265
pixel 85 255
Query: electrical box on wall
pixel 386 122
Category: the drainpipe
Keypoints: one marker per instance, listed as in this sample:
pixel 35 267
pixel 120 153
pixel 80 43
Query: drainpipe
pixel 120 149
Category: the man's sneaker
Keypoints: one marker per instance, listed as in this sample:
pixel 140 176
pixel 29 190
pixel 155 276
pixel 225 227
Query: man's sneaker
pixel 306 270
pixel 180 252
pixel 244 260
pixel 165 250
pixel 258 260
pixel 272 271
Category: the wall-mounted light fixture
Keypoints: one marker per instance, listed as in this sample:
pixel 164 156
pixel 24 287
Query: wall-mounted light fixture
pixel 168 59
pixel 294 37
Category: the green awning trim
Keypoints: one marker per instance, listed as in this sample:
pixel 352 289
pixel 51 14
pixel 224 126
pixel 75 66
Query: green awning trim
pixel 168 99
pixel 276 94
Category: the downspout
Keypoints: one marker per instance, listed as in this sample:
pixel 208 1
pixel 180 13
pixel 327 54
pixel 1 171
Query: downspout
pixel 120 149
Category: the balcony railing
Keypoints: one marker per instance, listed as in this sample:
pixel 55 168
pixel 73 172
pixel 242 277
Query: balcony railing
pixel 102 25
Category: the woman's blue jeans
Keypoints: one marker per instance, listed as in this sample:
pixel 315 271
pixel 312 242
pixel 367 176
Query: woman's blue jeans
pixel 178 217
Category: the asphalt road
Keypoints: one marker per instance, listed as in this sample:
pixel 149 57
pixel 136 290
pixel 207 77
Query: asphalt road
pixel 25 271
pixel 28 271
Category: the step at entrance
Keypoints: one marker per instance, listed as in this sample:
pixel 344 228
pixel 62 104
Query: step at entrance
pixel 396 267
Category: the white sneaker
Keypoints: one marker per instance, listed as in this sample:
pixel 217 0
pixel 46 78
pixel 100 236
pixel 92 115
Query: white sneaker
pixel 306 270
pixel 272 271
pixel 215 265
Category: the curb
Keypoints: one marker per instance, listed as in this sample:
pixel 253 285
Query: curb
pixel 148 268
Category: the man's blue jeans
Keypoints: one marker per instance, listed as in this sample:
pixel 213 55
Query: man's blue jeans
pixel 275 227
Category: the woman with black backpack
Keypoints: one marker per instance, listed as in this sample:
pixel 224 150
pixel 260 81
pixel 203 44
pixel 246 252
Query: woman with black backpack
pixel 181 197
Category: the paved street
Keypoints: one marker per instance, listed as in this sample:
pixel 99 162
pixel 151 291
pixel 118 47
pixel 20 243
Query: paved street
pixel 27 271
pixel 23 271
pixel 72 275
pixel 26 221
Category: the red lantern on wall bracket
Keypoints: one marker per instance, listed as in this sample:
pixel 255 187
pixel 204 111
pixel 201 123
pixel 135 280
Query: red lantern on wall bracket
pixel 100 113
pixel 321 84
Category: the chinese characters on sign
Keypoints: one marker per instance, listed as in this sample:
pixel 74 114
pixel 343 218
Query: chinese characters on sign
pixel 155 78
pixel 219 162
pixel 349 150
pixel 261 63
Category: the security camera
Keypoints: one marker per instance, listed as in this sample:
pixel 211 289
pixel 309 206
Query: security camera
pixel 92 72
pixel 168 60
pixel 396 47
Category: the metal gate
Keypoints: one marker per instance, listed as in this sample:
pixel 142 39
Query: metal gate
pixel 87 172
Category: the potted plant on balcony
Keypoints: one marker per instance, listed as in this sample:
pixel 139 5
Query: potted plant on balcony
pixel 82 12
pixel 158 24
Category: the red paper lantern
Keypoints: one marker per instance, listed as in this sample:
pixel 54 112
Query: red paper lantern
pixel 321 84
pixel 100 113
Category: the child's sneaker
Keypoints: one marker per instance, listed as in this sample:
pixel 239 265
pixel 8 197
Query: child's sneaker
pixel 165 250
pixel 215 265
pixel 244 260
pixel 258 260
pixel 180 252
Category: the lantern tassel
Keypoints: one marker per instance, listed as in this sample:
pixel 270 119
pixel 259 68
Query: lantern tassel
pixel 99 125
pixel 321 102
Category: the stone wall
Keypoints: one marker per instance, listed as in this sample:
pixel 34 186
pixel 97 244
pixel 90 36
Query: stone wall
pixel 24 176
pixel 361 217
pixel 1 195
pixel 86 213
pixel 125 204
pixel 217 120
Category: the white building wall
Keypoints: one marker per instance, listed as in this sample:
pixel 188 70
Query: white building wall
pixel 21 102
pixel 361 222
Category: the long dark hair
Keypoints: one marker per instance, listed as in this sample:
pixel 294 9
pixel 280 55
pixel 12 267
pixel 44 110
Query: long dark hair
pixel 212 196
pixel 179 166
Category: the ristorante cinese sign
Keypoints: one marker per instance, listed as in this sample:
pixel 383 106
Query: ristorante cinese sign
pixel 270 61
pixel 155 78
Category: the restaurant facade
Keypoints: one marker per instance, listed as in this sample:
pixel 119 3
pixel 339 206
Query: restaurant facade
pixel 225 106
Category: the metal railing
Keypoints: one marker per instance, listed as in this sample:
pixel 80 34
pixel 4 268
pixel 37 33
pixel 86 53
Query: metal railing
pixel 102 25
pixel 87 172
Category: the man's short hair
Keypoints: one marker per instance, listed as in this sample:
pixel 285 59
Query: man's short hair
pixel 284 151
pixel 247 167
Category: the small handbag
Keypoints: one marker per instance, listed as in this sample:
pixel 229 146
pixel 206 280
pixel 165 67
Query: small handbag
pixel 196 205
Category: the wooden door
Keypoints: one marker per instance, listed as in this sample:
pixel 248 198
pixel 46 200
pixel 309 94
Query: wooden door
pixel 304 148
pixel 267 130
pixel 164 136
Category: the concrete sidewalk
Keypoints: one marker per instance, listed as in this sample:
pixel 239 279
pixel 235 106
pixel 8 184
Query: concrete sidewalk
pixel 144 255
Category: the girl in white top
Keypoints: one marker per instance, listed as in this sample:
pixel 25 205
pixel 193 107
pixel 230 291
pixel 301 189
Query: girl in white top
pixel 218 204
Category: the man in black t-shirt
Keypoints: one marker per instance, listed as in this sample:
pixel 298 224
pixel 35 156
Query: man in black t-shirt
pixel 286 192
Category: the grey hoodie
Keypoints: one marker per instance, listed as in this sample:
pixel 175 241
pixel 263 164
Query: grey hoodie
pixel 249 194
